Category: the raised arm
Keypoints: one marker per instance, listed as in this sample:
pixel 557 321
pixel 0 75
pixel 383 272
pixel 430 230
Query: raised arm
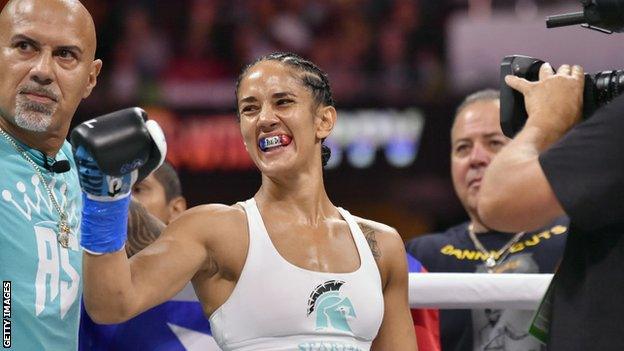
pixel 515 194
pixel 111 153
pixel 143 228
pixel 117 288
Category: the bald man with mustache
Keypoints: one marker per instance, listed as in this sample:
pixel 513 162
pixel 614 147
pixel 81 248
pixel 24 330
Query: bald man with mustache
pixel 47 67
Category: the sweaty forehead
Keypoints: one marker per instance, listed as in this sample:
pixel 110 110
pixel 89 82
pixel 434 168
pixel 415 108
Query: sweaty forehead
pixel 271 76
pixel 54 22
pixel 477 119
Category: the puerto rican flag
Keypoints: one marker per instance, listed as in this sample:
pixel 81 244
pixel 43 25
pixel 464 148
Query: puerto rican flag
pixel 178 324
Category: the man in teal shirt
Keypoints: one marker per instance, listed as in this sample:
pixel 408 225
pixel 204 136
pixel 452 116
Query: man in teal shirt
pixel 47 66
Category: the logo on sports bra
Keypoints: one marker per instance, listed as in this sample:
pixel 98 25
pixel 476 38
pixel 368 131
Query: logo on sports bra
pixel 332 310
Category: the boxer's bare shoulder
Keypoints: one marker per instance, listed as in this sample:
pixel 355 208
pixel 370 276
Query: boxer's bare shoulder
pixel 376 233
pixel 385 244
pixel 211 223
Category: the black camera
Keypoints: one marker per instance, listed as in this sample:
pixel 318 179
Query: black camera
pixel 600 88
pixel 605 16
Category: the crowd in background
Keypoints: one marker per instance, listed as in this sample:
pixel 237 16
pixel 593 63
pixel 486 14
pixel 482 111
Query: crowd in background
pixel 164 51
pixel 376 52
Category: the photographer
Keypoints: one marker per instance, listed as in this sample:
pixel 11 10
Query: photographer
pixel 551 168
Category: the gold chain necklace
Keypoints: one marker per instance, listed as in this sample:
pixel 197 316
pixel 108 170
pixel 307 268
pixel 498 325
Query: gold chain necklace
pixel 492 260
pixel 64 231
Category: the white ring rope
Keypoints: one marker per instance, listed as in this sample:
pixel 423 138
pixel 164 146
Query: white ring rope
pixel 477 290
pixel 462 290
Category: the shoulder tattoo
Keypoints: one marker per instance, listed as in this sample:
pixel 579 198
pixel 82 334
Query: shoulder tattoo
pixel 370 235
pixel 143 228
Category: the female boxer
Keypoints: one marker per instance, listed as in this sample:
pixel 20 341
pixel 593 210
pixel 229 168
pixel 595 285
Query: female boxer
pixel 286 269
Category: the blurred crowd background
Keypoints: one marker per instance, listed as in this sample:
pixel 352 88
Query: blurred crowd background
pixel 398 69
pixel 177 51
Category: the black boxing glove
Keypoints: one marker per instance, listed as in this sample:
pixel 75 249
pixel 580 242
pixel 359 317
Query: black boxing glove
pixel 119 143
pixel 112 152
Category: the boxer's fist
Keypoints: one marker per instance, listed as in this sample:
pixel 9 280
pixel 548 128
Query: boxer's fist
pixel 115 150
pixel 112 152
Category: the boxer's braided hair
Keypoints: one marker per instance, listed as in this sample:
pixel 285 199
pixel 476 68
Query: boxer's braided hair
pixel 313 78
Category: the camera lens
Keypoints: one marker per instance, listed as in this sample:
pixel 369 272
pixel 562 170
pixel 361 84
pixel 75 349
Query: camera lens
pixel 608 84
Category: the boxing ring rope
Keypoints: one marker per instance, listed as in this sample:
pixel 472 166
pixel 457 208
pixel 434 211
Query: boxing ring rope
pixel 477 290
pixel 463 290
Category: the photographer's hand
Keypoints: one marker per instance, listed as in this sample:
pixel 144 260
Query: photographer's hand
pixel 515 194
pixel 554 103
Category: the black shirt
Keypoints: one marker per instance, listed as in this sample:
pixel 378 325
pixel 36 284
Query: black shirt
pixel 586 172
pixel 453 251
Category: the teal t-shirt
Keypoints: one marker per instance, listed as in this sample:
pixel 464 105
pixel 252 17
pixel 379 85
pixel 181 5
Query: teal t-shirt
pixel 45 278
